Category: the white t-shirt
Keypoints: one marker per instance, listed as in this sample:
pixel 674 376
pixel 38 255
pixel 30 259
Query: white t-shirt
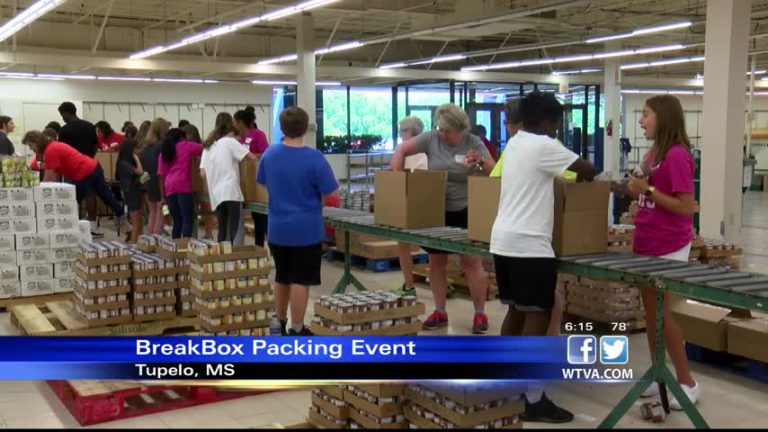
pixel 222 170
pixel 526 216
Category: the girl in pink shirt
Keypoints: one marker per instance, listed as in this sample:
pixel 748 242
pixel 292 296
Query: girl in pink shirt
pixel 663 227
pixel 174 171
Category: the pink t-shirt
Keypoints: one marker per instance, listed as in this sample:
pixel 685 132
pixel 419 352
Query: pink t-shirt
pixel 256 140
pixel 658 231
pixel 177 175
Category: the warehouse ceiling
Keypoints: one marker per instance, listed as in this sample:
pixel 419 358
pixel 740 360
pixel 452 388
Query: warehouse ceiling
pixel 98 36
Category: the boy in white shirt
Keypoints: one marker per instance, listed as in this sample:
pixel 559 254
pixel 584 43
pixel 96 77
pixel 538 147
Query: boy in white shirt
pixel 521 241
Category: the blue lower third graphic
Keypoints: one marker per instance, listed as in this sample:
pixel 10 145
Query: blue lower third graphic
pixel 614 350
pixel 582 350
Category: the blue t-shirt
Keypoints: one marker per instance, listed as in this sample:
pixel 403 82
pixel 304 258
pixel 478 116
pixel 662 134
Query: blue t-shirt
pixel 296 178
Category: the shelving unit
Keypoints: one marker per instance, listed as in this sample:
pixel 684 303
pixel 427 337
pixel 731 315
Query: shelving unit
pixel 361 167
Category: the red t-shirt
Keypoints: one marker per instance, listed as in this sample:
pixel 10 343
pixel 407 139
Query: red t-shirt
pixel 66 161
pixel 331 201
pixel 491 149
pixel 111 143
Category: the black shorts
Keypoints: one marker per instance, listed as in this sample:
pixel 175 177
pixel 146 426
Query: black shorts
pixel 527 283
pixel 297 265
pixel 458 219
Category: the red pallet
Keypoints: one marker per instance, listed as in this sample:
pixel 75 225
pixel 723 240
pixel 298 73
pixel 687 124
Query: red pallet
pixel 132 401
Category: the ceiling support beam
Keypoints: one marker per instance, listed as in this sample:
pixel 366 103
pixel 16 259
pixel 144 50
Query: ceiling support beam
pixel 101 29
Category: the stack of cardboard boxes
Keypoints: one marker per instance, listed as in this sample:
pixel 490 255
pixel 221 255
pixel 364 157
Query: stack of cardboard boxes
pixel 38 239
pixel 448 406
pixel 232 289
pixel 103 283
pixel 376 406
pixel 176 251
pixel 603 301
pixel 716 253
pixel 371 247
pixel 620 238
pixel 367 313
pixel 329 410
pixel 154 288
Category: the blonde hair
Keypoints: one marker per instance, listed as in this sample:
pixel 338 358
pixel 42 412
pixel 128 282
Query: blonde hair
pixel 157 131
pixel 412 123
pixel 450 116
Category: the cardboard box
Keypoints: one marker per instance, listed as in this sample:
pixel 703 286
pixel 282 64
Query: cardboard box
pixel 10 289
pixel 355 238
pixel 29 257
pixel 64 285
pixel 37 287
pixel 483 205
pixel 376 250
pixel 50 191
pixel 35 272
pixel 23 210
pixel 469 420
pixel 64 239
pixel 379 410
pixel 410 199
pixel 368 423
pixel 476 395
pixel 16 195
pixel 366 317
pixel 106 160
pixel 64 255
pixel 57 223
pixel 705 325
pixel 9 274
pixel 400 330
pixel 749 338
pixel 333 390
pixel 64 270
pixel 7 242
pixel 32 241
pixel 60 209
pixel 8 259
pixel 24 226
pixel 340 412
pixel 581 218
pixel 322 423
pixel 422 423
pixel 198 184
pixel 252 191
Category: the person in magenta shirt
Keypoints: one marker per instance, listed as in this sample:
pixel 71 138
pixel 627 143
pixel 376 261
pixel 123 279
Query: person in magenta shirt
pixel 250 136
pixel 59 160
pixel 174 167
pixel 664 224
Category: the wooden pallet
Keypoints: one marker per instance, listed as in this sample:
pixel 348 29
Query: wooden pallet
pixel 375 264
pixel 93 402
pixel 59 318
pixel 457 287
pixel 7 303
pixel 752 369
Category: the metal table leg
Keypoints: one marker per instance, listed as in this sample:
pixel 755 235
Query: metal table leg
pixel 347 278
pixel 660 373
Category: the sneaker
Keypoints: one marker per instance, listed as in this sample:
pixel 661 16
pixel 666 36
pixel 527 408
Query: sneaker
pixel 545 411
pixel 651 391
pixel 480 324
pixel 283 327
pixel 435 321
pixel 304 332
pixel 403 291
pixel 694 393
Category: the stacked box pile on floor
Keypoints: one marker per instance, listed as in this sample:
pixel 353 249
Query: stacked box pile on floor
pixel 602 300
pixel 716 253
pixel 621 238
pixel 176 251
pixel 103 283
pixel 231 288
pixel 38 238
pixel 367 313
pixel 154 287
pixel 329 410
pixel 376 406
pixel 451 406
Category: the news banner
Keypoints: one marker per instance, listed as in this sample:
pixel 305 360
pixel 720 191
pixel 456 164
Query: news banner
pixel 572 358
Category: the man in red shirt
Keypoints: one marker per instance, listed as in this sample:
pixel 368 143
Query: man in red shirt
pixel 59 160
pixel 481 132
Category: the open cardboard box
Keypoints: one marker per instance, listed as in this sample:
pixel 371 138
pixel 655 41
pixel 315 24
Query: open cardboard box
pixel 252 191
pixel 581 217
pixel 410 199
pixel 749 338
pixel 483 205
pixel 706 325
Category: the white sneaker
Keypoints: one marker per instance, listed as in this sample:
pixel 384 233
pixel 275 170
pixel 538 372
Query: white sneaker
pixel 693 394
pixel 651 391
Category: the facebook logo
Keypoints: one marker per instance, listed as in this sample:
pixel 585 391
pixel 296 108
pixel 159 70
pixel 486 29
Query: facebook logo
pixel 614 350
pixel 582 350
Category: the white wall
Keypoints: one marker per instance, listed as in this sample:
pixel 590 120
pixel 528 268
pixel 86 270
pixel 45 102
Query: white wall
pixel 33 103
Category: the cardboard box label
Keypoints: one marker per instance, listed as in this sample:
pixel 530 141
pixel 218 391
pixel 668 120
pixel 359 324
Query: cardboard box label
pixel 12 210
pixel 28 257
pixel 64 255
pixel 410 199
pixel 8 258
pixel 65 285
pixel 50 191
pixel 9 274
pixel 38 287
pixel 64 239
pixel 7 242
pixel 57 223
pixel 18 195
pixel 64 270
pixel 35 272
pixel 581 218
pixel 483 205
pixel 23 226
pixel 32 241
pixel 10 289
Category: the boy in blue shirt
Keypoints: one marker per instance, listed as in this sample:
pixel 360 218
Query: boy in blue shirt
pixel 297 179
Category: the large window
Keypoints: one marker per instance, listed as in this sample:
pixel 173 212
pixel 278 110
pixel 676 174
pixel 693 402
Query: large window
pixel 371 115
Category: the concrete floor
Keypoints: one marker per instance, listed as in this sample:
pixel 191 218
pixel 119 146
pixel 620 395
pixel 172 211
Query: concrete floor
pixel 728 401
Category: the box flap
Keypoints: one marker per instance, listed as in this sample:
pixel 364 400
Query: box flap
pixel 584 197
pixel 391 202
pixel 426 189
pixel 701 311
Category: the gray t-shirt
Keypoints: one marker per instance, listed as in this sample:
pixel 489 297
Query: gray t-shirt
pixel 442 157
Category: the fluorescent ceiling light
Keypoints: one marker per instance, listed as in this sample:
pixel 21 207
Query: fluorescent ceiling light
pixel 231 28
pixel 27 17
pixel 580 57
pixel 641 31
pixel 656 92
pixel 393 65
pixel 575 71
pixel 281 59
pixel 17 74
pixel 289 82
pixel 342 47
pixel 64 76
pixel 185 80
pixel 665 62
pixel 758 72
pixel 123 78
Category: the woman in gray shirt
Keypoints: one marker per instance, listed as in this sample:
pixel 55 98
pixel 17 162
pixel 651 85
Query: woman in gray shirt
pixel 451 148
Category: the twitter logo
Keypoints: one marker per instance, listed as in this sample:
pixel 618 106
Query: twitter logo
pixel 614 350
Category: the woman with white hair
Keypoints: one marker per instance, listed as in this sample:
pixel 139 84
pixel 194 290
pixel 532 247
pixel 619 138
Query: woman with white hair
pixel 453 149
pixel 410 127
